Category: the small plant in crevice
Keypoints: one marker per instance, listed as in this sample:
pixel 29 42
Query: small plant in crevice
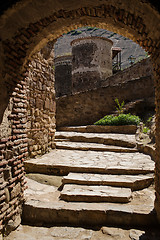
pixel 147 125
pixel 120 106
pixel 149 119
pixel 145 129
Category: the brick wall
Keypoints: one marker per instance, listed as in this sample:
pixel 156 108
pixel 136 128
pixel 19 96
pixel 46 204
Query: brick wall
pixel 13 151
pixel 27 130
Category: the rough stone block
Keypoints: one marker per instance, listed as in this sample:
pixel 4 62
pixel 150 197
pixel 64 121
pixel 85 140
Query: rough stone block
pixel 47 104
pixel 15 191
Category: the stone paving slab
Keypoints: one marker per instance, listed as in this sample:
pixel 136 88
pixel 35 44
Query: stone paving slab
pixel 92 146
pixel 129 129
pixel 135 182
pixel 52 233
pixel 124 140
pixel 39 191
pixel 50 180
pixel 64 161
pixel 76 233
pixel 83 193
pixel 147 196
pixel 47 208
pixel 88 214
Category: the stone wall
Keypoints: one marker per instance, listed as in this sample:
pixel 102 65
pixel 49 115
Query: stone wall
pixel 140 69
pixel 27 130
pixel 91 62
pixel 63 75
pixel 44 21
pixel 134 83
pixel 41 105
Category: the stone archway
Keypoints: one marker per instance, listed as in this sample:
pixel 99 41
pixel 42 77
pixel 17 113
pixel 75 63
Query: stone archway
pixel 33 25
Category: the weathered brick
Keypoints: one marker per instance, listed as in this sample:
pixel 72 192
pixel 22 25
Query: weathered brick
pixel 15 191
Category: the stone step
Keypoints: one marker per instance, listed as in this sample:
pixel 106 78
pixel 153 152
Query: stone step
pixel 87 214
pixel 61 162
pixel 27 232
pixel 123 140
pixel 83 193
pixel 91 146
pixel 45 208
pixel 135 182
pixel 130 129
pixel 61 140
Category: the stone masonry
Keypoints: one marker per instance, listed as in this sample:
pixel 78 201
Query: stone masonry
pixel 63 75
pixel 140 69
pixel 13 151
pixel 133 84
pixel 25 29
pixel 41 106
pixel 63 71
pixel 27 129
pixel 91 62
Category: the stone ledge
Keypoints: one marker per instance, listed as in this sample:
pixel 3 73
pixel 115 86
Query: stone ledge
pixel 61 162
pixel 86 146
pixel 135 182
pixel 88 214
pixel 125 129
pixel 87 193
pixel 147 149
pixel 123 140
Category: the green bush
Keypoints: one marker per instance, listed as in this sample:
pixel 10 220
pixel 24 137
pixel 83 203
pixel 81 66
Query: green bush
pixel 121 119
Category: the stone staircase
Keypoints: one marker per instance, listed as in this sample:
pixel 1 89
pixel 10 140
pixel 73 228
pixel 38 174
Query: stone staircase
pixel 105 180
